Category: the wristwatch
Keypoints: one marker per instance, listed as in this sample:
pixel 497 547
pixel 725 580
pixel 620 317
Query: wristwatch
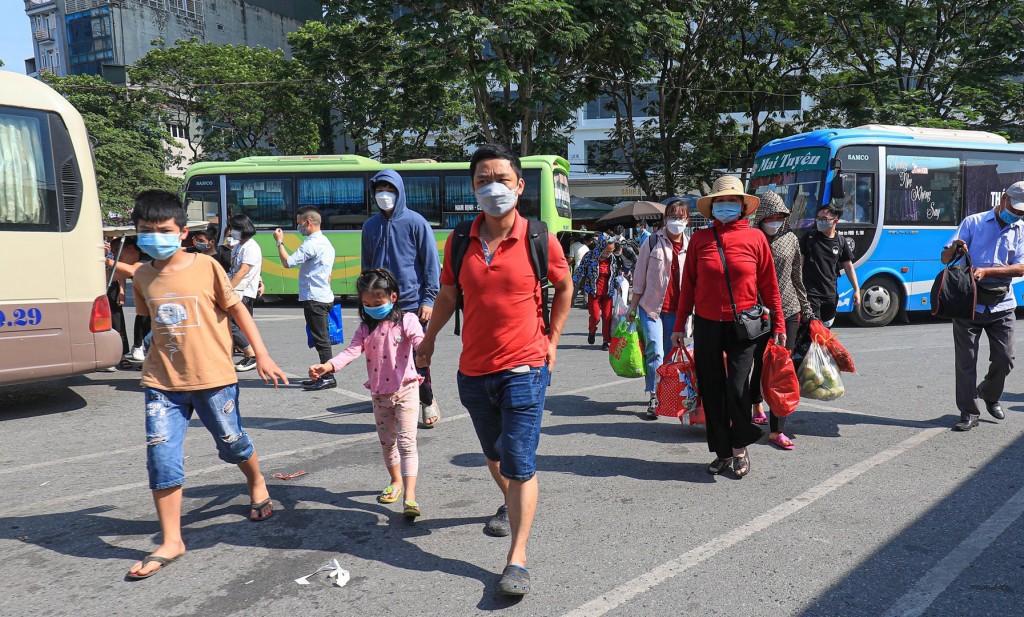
pixel 280 243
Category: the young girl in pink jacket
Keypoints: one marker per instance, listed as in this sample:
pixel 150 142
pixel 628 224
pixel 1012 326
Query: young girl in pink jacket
pixel 388 336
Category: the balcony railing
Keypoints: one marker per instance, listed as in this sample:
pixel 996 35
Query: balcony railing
pixel 43 35
pixel 35 4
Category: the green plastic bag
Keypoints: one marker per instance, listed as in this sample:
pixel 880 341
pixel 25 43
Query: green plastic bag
pixel 624 354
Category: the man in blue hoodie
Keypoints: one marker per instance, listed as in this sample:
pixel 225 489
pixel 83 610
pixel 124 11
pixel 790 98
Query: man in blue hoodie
pixel 402 241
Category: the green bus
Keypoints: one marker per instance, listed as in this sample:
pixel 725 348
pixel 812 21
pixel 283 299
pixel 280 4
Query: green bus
pixel 269 189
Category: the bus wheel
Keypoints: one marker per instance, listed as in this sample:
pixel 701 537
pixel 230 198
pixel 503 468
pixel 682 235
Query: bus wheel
pixel 880 303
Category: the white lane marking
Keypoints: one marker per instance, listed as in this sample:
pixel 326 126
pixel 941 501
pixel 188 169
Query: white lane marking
pixel 354 395
pixel 30 507
pixel 920 597
pixel 647 581
pixel 277 318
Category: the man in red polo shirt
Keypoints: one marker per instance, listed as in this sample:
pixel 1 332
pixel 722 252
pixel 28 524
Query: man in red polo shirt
pixel 506 357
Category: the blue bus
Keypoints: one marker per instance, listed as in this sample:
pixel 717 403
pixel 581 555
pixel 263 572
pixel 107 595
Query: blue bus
pixel 903 192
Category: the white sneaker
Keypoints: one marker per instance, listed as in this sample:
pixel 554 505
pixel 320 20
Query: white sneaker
pixel 247 364
pixel 137 354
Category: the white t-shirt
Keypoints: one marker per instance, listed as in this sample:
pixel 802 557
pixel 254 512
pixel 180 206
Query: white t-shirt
pixel 247 253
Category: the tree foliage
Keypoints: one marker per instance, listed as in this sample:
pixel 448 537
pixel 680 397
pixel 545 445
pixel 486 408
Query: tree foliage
pixel 233 100
pixel 128 138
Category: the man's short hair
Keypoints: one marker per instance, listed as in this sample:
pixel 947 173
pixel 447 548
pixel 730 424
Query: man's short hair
pixel 157 206
pixel 490 152
pixel 834 211
pixel 309 213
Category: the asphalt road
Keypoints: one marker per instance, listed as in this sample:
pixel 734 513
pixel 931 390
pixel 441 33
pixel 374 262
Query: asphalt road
pixel 880 507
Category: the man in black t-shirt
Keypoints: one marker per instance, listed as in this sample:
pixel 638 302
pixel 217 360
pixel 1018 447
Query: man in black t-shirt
pixel 824 251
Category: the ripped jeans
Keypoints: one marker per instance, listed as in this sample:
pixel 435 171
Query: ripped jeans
pixel 167 417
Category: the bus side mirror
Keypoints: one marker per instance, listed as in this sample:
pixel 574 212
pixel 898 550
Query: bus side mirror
pixel 843 185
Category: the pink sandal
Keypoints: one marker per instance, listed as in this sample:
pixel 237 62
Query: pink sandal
pixel 782 442
pixel 760 418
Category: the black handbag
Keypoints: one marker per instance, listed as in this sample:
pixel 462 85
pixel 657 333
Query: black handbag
pixel 752 323
pixel 955 291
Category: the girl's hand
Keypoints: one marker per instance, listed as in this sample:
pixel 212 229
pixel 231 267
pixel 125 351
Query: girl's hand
pixel 319 370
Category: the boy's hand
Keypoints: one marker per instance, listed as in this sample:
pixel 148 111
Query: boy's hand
pixel 319 370
pixel 269 370
pixel 278 235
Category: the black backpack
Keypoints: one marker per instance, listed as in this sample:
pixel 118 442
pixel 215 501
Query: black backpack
pixel 536 233
pixel 955 292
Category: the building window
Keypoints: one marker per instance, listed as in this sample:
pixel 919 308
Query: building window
pixel 90 40
pixel 644 104
pixel 604 155
pixel 177 131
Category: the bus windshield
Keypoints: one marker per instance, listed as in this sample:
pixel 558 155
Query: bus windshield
pixel 798 176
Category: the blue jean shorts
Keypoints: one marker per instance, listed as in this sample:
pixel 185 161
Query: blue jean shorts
pixel 506 409
pixel 168 415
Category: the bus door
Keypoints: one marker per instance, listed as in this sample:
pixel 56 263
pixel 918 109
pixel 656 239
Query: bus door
pixel 859 221
pixel 35 339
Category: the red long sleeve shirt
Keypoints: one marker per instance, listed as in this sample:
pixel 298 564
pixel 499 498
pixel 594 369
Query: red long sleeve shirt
pixel 751 270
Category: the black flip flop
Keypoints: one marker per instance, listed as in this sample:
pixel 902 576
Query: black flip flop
pixel 163 561
pixel 257 508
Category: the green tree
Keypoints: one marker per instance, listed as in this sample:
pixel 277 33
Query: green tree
pixel 129 140
pixel 376 88
pixel 940 63
pixel 677 138
pixel 233 100
pixel 527 65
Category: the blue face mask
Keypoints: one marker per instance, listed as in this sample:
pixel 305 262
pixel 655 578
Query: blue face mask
pixel 726 211
pixel 159 246
pixel 379 312
pixel 1007 217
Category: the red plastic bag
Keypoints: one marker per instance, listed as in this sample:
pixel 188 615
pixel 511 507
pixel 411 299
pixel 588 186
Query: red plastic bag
pixel 677 388
pixel 779 385
pixel 824 337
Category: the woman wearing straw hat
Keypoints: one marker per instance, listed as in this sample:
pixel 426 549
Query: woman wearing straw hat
pixel 728 271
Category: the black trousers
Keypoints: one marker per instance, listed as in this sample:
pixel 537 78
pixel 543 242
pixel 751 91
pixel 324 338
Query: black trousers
pixel 317 320
pixel 117 316
pixel 426 386
pixel 724 385
pixel 824 308
pixel 142 327
pixel 776 423
pixel 237 337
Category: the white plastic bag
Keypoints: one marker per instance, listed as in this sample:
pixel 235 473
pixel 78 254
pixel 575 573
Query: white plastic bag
pixel 819 375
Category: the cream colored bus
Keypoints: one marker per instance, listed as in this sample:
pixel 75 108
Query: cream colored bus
pixel 54 314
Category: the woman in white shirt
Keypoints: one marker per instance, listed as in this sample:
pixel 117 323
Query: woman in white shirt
pixel 246 265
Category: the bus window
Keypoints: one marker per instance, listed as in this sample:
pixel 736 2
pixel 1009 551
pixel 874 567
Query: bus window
pixel 27 181
pixel 202 199
pixel 859 207
pixel 529 201
pixel 341 200
pixel 921 189
pixel 986 176
pixel 459 200
pixel 798 176
pixel 562 194
pixel 267 201
pixel 423 195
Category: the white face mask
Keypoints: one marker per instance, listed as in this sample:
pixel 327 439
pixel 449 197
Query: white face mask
pixel 772 228
pixel 232 239
pixel 386 200
pixel 496 199
pixel 675 226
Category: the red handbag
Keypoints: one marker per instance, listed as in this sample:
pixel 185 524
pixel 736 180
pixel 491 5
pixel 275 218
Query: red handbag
pixel 676 388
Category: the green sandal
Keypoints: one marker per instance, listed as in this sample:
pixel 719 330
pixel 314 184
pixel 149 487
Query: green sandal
pixel 412 509
pixel 390 494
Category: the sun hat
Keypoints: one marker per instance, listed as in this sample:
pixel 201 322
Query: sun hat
pixel 723 186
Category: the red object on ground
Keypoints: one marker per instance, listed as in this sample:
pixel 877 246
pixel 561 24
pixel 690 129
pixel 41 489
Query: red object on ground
pixel 291 476
pixel 779 384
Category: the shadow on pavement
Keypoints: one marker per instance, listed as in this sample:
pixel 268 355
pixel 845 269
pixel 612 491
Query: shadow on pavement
pixel 597 466
pixel 39 399
pixel 340 526
pixel 826 423
pixel 990 584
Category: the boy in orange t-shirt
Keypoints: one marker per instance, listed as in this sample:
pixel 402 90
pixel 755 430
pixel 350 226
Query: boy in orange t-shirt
pixel 189 367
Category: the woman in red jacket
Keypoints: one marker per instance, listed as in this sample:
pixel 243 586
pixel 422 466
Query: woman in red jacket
pixel 725 386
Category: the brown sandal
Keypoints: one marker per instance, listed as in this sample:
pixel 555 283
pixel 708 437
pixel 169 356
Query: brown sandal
pixel 741 464
pixel 718 465
pixel 256 510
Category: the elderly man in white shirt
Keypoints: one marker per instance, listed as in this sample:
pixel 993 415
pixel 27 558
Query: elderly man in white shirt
pixel 315 258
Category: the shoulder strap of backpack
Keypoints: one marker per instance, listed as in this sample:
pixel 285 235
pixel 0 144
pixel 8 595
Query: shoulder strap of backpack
pixel 537 231
pixel 460 244
pixel 652 242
